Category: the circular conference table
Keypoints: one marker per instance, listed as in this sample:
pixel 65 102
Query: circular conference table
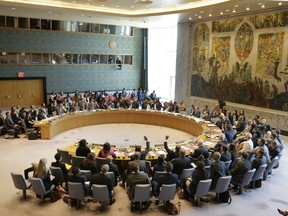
pixel 197 127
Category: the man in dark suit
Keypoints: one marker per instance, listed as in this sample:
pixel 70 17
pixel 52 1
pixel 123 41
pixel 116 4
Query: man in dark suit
pixel 113 168
pixel 240 169
pixel 10 125
pixel 225 154
pixel 259 159
pixel 217 169
pixel 181 163
pixel 166 178
pixel 135 178
pixel 102 179
pixel 170 153
pixel 196 155
pixel 77 177
pixel 60 164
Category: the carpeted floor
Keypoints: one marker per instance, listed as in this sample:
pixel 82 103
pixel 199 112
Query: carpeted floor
pixel 17 154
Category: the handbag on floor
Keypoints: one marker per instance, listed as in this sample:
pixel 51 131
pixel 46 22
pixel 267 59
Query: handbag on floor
pixel 225 197
pixel 54 196
pixel 171 208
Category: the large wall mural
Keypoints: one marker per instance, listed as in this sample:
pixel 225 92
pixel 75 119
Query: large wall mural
pixel 246 65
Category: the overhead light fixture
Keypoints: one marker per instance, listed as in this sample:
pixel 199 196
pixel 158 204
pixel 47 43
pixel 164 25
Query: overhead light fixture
pixel 190 18
pixel 199 17
pixel 263 6
pixel 247 8
pixel 280 3
pixel 13 8
pixel 221 13
pixel 234 11
pixel 210 15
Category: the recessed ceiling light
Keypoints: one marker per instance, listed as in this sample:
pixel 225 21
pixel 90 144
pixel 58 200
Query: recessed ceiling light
pixel 210 15
pixel 259 3
pixel 280 3
pixel 227 10
pixel 73 1
pixel 247 8
pixel 102 5
pixel 201 12
pixel 117 6
pixel 196 14
pixel 263 6
pixel 132 6
pixel 190 18
pixel 221 13
pixel 199 17
pixel 13 8
pixel 143 2
pixel 236 6
pixel 234 11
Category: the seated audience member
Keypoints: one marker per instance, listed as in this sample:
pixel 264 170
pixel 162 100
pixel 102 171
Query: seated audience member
pixel 167 178
pixel 259 159
pixel 255 136
pixel 197 112
pixel 41 115
pixel 198 152
pixel 225 154
pixel 217 169
pixel 10 125
pixel 160 166
pixel 102 179
pixel 89 163
pixel 170 153
pixel 222 141
pixel 229 132
pixel 113 168
pixel 206 160
pixel 200 173
pixel 261 144
pixel 182 106
pixel 141 165
pixel 60 164
pixel 247 144
pixel 135 178
pixel 42 171
pixel 234 153
pixel 240 126
pixel 29 121
pixel 274 150
pixel 106 151
pixel 277 132
pixel 273 137
pixel 76 176
pixel 2 120
pixel 180 163
pixel 240 169
pixel 83 150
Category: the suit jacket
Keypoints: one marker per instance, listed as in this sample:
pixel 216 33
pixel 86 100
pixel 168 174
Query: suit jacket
pixel 240 169
pixel 197 176
pixel 78 178
pixel 167 178
pixel 141 163
pixel 62 166
pixel 114 168
pixel 83 151
pixel 217 170
pixel 102 179
pixel 199 151
pixel 9 123
pixel 258 161
pixel 133 179
pixel 226 156
pixel 179 164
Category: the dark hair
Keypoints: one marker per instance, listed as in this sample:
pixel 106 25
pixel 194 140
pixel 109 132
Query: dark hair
pixel 161 159
pixel 169 167
pixel 75 170
pixel 57 156
pixel 200 164
pixel 82 143
pixel 106 146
